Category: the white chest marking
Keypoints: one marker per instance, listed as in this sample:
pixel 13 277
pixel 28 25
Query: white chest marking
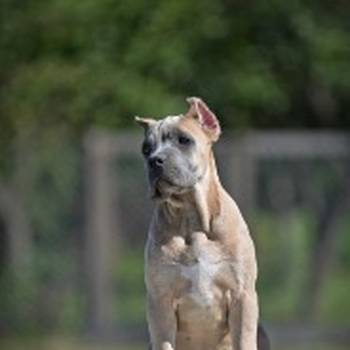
pixel 201 275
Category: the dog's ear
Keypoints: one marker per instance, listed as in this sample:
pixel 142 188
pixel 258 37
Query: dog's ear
pixel 206 118
pixel 146 123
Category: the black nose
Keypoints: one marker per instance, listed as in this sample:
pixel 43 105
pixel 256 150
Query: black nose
pixel 156 162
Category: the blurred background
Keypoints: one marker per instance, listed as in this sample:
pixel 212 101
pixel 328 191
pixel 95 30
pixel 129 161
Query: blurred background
pixel 74 207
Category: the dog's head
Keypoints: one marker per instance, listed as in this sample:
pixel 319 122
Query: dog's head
pixel 177 148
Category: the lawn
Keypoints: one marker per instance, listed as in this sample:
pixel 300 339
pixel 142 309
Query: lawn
pixel 58 343
pixel 313 347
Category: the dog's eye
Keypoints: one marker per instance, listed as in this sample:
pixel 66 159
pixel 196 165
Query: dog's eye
pixel 184 140
pixel 146 149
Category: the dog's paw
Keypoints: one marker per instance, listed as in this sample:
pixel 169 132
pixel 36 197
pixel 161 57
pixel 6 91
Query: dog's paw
pixel 167 346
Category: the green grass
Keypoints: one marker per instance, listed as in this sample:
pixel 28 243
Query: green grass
pixel 62 343
pixel 58 343
pixel 313 347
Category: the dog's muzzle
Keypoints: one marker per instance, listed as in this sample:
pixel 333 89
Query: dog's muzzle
pixel 156 167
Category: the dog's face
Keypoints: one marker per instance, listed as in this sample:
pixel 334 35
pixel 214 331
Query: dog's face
pixel 177 148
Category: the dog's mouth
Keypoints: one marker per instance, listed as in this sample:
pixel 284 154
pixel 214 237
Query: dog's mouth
pixel 156 190
pixel 163 189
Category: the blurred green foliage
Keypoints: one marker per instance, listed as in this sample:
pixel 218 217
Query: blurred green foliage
pixel 48 293
pixel 130 289
pixel 335 294
pixel 257 63
pixel 284 248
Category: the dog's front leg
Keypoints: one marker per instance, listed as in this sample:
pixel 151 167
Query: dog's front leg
pixel 243 321
pixel 162 323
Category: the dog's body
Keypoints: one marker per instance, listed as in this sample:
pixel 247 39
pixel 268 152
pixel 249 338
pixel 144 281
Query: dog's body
pixel 200 260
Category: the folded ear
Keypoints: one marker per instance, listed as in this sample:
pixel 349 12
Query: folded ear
pixel 146 123
pixel 206 118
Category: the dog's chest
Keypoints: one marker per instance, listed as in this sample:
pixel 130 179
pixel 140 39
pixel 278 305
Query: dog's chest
pixel 201 273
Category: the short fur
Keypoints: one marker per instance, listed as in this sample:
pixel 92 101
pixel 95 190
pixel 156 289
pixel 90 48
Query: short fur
pixel 200 264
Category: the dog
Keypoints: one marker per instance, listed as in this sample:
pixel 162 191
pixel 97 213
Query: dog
pixel 200 263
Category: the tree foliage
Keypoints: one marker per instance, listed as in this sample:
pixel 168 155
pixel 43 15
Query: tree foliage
pixel 257 63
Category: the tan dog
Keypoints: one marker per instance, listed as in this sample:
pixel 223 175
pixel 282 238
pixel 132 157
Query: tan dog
pixel 200 259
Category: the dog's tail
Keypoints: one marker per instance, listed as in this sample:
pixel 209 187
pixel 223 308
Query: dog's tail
pixel 263 339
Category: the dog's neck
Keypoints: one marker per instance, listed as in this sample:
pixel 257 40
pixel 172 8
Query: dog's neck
pixel 194 210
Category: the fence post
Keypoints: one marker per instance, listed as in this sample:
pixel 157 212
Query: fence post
pixel 100 245
pixel 244 173
pixel 14 211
